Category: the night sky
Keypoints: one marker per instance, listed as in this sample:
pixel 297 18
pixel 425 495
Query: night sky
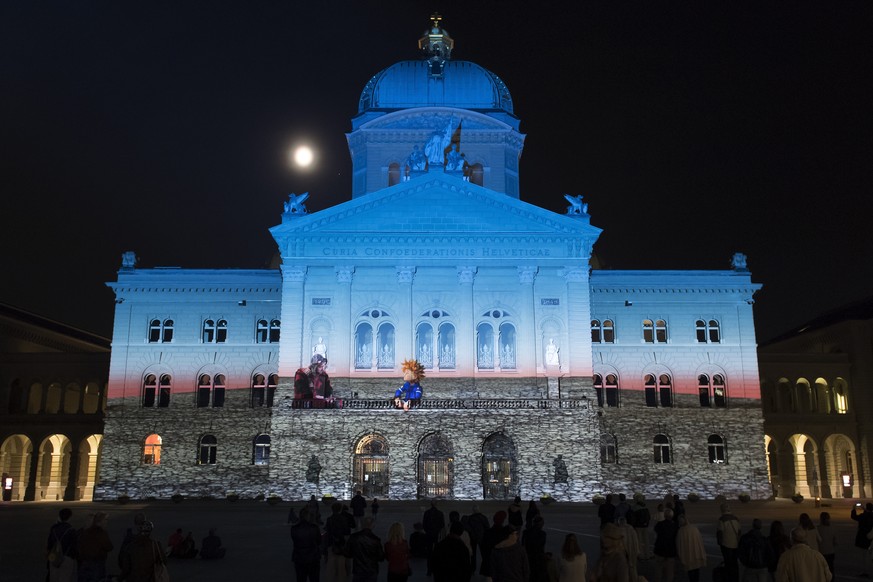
pixel 693 132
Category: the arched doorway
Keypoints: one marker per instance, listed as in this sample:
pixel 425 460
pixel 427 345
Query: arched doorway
pixel 806 476
pixel 53 470
pixel 499 467
pixel 15 457
pixel 435 467
pixel 89 466
pixel 371 466
pixel 841 459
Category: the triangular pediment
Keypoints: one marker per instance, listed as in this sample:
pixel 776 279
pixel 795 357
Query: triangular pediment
pixel 437 204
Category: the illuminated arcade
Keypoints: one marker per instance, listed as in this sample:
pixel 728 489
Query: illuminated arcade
pixel 541 375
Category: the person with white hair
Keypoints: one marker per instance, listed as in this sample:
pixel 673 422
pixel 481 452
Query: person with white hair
pixel 801 563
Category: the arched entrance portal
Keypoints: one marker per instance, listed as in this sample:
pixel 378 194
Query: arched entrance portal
pixel 840 459
pixel 371 466
pixel 499 466
pixel 435 467
pixel 806 477
pixel 15 456
pixel 54 468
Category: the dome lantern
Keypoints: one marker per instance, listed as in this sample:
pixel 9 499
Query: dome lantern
pixel 437 46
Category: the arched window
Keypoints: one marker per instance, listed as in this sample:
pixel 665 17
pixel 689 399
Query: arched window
pixel 485 346
pixel 34 398
pixel 370 473
pixel 602 331
pixel 364 346
pixel 659 391
pixel 385 341
pixel 262 331
pixel 72 394
pixel 704 389
pixel 841 401
pixel 208 331
pixel 507 345
pixel 53 398
pixel 221 332
pixel 717 453
pixel 665 390
pixel 447 346
pixel 608 449
pixel 160 331
pixel 611 388
pixel 275 326
pixel 91 399
pixel 261 453
pixel 149 390
pixel 648 331
pixel 155 331
pixel 259 390
pixel 660 331
pixel 708 331
pixel 714 332
pixel 719 391
pixel 424 345
pixel 661 447
pixel 210 390
pixel 208 453
pixel 151 450
pixel 164 391
pixel 16 397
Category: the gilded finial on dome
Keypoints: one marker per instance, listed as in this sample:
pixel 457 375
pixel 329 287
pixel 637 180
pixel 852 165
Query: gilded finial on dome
pixel 436 42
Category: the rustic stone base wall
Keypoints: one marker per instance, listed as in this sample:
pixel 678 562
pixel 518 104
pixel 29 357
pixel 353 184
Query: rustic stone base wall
pixel 540 430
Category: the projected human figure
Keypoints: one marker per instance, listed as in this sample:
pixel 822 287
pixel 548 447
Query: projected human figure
pixel 454 161
pixel 552 358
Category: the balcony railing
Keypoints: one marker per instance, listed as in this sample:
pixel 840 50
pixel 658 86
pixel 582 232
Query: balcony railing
pixel 445 404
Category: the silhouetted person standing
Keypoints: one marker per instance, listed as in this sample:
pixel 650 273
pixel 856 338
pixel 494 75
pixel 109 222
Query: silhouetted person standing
pixel 450 558
pixel 434 521
pixel 64 567
pixel 365 550
pixel 307 544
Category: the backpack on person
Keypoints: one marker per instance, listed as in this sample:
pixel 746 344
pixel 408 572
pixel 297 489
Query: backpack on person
pixel 56 554
pixel 752 552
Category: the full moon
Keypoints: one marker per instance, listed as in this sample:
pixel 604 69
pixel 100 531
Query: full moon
pixel 303 156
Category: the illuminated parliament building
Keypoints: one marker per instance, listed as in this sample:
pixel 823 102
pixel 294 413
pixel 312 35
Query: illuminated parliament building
pixel 544 374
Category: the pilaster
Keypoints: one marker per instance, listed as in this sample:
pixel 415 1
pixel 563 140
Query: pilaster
pixel 291 344
pixel 466 333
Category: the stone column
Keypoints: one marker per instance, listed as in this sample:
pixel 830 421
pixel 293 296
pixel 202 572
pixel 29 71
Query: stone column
pixel 404 344
pixel 72 476
pixel 291 334
pixel 526 351
pixel 576 360
pixel 340 357
pixel 465 336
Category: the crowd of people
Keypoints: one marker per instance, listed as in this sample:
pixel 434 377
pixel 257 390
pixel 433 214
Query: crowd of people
pixel 510 546
pixel 80 555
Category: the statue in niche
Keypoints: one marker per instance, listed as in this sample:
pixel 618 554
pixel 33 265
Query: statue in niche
pixel 436 147
pixel 319 348
pixel 313 470
pixel 577 207
pixel 552 350
pixel 561 474
pixel 416 161
pixel 738 262
pixel 295 203
pixel 455 159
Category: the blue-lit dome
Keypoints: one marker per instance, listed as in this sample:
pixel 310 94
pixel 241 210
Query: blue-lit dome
pixel 431 83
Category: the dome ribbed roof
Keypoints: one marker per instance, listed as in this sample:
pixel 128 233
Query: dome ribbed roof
pixel 460 84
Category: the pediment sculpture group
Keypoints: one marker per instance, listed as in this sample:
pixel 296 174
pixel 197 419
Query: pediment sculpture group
pixel 443 148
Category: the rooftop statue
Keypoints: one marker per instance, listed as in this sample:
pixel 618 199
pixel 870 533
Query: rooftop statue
pixel 738 262
pixel 295 203
pixel 436 147
pixel 577 207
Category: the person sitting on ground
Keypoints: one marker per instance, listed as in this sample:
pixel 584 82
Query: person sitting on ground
pixel 211 548
pixel 188 549
pixel 174 543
